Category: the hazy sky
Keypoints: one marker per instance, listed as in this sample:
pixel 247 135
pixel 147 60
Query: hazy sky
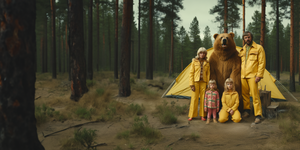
pixel 200 9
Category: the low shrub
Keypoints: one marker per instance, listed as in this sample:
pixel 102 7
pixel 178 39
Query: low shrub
pixel 90 83
pixel 100 91
pixel 84 113
pixel 135 109
pixel 167 114
pixel 85 138
pixel 43 113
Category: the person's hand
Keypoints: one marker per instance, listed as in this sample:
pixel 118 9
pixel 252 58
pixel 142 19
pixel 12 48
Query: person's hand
pixel 205 109
pixel 257 79
pixel 231 112
pixel 193 88
pixel 217 109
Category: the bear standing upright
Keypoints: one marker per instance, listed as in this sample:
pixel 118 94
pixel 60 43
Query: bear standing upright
pixel 226 63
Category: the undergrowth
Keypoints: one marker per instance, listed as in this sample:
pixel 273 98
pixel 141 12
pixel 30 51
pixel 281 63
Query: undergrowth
pixel 289 122
pixel 135 109
pixel 141 128
pixel 167 114
pixel 84 139
pixel 84 113
pixel 44 112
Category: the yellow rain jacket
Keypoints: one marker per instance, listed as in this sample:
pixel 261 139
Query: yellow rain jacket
pixel 255 64
pixel 230 101
pixel 195 71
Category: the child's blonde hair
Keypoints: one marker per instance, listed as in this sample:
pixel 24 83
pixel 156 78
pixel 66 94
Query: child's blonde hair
pixel 212 82
pixel 201 50
pixel 229 80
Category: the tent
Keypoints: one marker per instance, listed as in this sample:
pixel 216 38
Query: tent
pixel 180 87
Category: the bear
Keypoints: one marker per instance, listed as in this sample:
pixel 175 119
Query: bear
pixel 225 62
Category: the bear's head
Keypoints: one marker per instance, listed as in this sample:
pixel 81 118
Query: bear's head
pixel 224 45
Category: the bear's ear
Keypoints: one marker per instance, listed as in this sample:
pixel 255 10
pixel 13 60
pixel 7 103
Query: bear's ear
pixel 215 35
pixel 232 34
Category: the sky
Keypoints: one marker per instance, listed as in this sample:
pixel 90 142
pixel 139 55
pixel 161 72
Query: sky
pixel 200 9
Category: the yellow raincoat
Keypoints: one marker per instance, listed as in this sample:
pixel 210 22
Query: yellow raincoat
pixel 230 101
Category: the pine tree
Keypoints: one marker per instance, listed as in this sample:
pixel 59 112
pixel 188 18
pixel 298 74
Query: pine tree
pixel 207 42
pixel 195 34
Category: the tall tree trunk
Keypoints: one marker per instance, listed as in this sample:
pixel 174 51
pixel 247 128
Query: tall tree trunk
pixel 281 69
pixel 124 87
pixel 172 51
pixel 109 43
pixel 139 42
pixel 132 55
pixel 263 22
pixel 62 52
pixel 17 76
pixel 98 38
pixel 90 44
pixel 103 41
pixel 68 41
pixel 292 73
pixel 78 72
pixel 53 60
pixel 225 16
pixel 244 20
pixel 59 47
pixel 46 44
pixel 277 42
pixel 149 57
pixel 42 54
pixel 116 40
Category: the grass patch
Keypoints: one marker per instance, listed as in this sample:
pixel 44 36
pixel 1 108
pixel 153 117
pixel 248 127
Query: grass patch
pixel 289 122
pixel 43 113
pixel 84 139
pixel 84 113
pixel 135 109
pixel 141 128
pixel 100 91
pixel 111 110
pixel 167 114
pixel 90 83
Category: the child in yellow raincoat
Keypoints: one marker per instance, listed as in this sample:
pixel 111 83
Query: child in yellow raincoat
pixel 230 102
pixel 198 79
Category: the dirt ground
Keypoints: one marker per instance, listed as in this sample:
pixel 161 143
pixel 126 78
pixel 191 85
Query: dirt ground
pixel 229 135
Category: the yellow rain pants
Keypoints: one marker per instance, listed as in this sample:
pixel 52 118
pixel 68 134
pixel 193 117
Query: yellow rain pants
pixel 249 85
pixel 200 87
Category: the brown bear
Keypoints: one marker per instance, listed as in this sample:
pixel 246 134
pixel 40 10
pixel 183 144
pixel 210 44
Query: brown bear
pixel 226 63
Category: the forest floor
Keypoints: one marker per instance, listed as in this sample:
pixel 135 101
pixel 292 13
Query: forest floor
pixel 103 98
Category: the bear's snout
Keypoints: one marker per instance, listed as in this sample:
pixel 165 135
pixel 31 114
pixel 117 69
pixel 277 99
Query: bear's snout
pixel 224 42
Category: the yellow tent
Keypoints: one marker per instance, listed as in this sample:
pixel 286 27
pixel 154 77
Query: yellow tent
pixel 180 87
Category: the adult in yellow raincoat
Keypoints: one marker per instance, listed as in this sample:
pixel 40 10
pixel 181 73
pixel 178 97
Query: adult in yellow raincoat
pixel 198 79
pixel 252 71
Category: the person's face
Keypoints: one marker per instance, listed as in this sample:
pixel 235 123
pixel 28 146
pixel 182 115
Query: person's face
pixel 248 39
pixel 229 86
pixel 212 86
pixel 202 55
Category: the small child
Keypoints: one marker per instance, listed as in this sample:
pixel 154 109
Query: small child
pixel 211 101
pixel 230 102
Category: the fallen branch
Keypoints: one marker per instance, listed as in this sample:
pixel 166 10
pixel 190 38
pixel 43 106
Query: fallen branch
pixel 78 125
pixel 175 141
pixel 38 97
pixel 101 144
pixel 160 87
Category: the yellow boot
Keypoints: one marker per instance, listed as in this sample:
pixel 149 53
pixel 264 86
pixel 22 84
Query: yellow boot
pixel 215 120
pixel 207 121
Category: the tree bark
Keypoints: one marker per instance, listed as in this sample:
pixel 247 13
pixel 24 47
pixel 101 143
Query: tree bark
pixel 116 40
pixel 149 57
pixel 139 42
pixel 59 49
pixel 62 52
pixel 109 43
pixel 263 23
pixel 46 44
pixel 76 48
pixel 277 42
pixel 292 74
pixel 53 60
pixel 42 54
pixel 17 76
pixel 172 51
pixel 225 16
pixel 98 36
pixel 90 44
pixel 244 13
pixel 124 87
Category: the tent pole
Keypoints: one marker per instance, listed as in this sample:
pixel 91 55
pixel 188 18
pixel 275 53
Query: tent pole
pixel 168 89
